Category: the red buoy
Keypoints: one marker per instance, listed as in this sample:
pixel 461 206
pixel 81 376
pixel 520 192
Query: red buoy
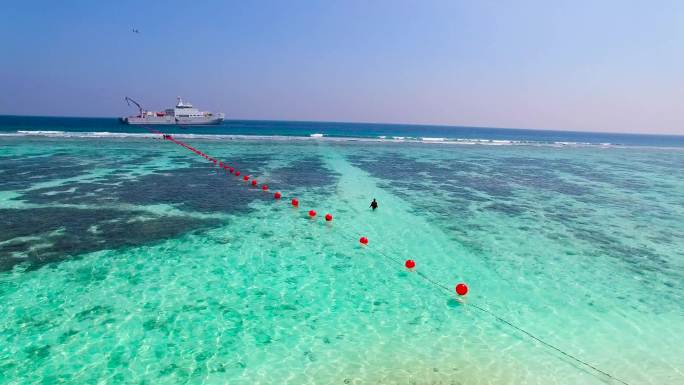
pixel 328 217
pixel 461 289
pixel 363 240
pixel 312 213
pixel 277 195
pixel 246 177
pixel 231 170
pixel 264 187
pixel 295 202
pixel 410 264
pixel 254 182
pixel 237 173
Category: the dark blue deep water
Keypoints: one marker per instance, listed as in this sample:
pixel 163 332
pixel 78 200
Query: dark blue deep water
pixel 13 124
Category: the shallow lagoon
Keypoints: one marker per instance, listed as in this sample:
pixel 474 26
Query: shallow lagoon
pixel 129 260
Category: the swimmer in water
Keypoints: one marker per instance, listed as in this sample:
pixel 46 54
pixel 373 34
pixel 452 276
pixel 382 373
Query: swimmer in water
pixel 374 204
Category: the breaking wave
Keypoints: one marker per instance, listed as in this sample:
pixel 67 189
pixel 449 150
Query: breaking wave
pixel 315 136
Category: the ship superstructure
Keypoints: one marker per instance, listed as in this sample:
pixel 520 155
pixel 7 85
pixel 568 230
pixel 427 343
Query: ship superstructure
pixel 182 114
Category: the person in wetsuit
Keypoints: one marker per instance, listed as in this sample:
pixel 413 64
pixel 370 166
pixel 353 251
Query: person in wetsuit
pixel 374 204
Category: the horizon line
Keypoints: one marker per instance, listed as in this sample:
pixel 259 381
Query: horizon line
pixel 381 123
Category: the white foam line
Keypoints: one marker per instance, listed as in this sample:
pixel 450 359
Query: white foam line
pixel 96 134
pixel 394 139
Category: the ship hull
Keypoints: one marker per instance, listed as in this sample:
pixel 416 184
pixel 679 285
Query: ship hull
pixel 164 120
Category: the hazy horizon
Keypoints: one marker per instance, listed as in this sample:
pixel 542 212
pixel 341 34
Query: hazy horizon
pixel 576 66
pixel 228 119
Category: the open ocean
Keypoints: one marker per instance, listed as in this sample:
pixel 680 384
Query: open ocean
pixel 128 259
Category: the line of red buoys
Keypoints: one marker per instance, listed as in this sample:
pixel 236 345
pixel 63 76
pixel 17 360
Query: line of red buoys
pixel 225 166
pixel 461 288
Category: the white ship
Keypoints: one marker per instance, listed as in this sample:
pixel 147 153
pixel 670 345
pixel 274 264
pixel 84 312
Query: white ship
pixel 183 114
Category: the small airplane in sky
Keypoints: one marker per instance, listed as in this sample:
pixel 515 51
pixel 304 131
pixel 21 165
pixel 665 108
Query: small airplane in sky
pixel 135 30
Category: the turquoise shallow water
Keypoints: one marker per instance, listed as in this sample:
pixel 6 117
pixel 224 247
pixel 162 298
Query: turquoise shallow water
pixel 131 261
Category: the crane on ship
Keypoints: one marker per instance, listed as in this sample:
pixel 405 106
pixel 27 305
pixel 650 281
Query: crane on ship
pixel 129 101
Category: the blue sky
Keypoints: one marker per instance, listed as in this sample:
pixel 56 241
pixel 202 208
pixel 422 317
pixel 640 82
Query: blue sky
pixel 580 65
